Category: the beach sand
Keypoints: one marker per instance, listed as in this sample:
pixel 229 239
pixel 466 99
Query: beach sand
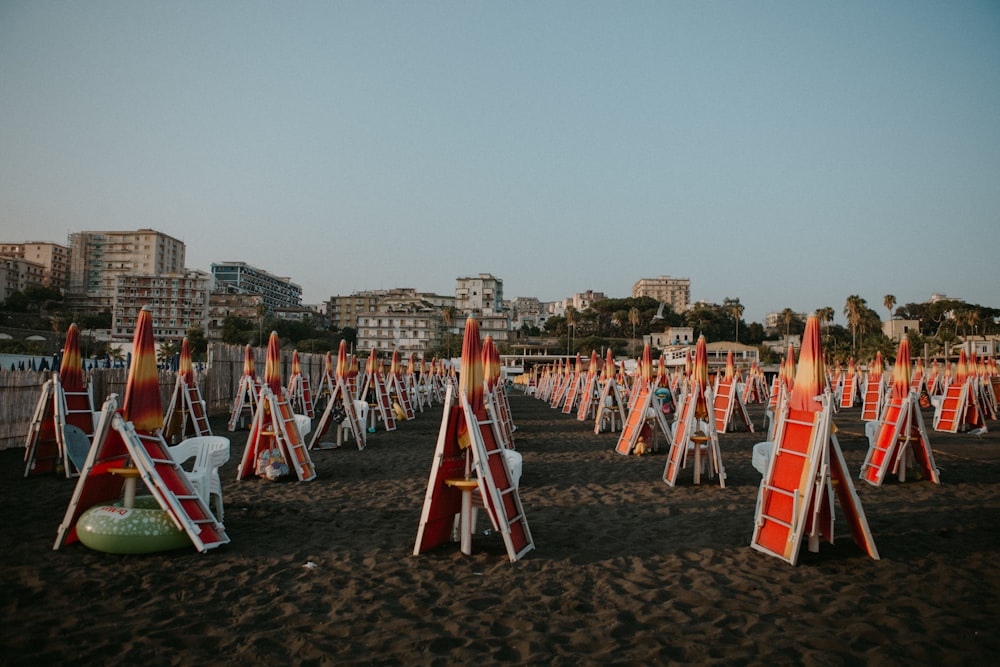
pixel 626 570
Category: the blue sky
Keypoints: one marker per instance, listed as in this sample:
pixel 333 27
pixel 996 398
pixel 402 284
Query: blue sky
pixel 789 154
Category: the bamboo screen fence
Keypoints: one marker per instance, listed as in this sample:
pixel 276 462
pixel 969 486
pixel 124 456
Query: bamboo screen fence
pixel 218 383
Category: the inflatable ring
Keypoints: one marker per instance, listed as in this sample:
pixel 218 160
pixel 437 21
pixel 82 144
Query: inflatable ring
pixel 143 529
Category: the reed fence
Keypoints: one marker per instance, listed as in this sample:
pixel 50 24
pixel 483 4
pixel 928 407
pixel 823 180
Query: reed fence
pixel 218 382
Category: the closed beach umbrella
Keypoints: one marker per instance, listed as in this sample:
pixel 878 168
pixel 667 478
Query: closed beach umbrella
pixel 730 366
pixel 394 364
pixel 184 368
pixel 491 363
pixel 248 366
pixel 699 370
pixel 343 365
pixel 877 366
pixel 647 365
pixel 471 379
pixel 328 370
pixel 699 376
pixel 788 371
pixel 901 371
pixel 810 374
pixel 142 405
pixel 272 364
pixel 296 366
pixel 71 366
pixel 962 369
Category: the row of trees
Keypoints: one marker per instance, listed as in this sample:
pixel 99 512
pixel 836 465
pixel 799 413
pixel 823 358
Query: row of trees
pixel 618 324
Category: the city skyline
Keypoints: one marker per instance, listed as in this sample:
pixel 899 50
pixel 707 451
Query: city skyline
pixel 785 154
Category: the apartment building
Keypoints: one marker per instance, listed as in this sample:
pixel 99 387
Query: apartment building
pixel 98 259
pixel 52 257
pixel 676 292
pixel 278 292
pixel 479 294
pixel 178 301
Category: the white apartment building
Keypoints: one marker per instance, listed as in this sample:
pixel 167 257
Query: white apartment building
pixel 278 291
pixel 16 274
pixel 179 301
pixel 673 291
pixel 409 332
pixel 97 259
pixel 53 258
pixel 479 294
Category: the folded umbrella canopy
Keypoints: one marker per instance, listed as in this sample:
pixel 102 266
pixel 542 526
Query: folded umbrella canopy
pixel 810 375
pixel 143 405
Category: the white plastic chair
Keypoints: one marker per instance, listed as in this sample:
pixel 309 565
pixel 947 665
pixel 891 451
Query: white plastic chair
pixel 871 432
pixel 210 452
pixel 361 408
pixel 304 423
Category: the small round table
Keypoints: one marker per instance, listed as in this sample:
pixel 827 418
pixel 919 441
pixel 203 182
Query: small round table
pixel 699 440
pixel 465 485
pixel 130 475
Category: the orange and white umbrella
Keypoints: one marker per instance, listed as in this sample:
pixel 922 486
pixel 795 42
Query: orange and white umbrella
pixel 394 367
pixel 343 365
pixel 877 366
pixel 788 371
pixel 272 364
pixel 185 368
pixel 248 366
pixel 901 371
pixel 699 371
pixel 699 377
pixel 470 382
pixel 491 362
pixel 296 364
pixel 661 372
pixel 328 370
pixel 810 374
pixel 71 364
pixel 962 370
pixel 730 367
pixel 646 367
pixel 142 404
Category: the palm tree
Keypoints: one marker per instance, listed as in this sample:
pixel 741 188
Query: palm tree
pixel 852 310
pixel 570 324
pixel 736 308
pixel 787 315
pixel 889 301
pixel 633 319
pixel 261 312
pixel 825 316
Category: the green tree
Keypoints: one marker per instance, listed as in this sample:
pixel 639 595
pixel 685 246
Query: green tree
pixel 889 301
pixel 736 308
pixel 852 311
pixel 633 319
pixel 197 342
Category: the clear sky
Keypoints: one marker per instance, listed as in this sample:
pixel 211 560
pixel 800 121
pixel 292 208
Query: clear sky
pixel 788 153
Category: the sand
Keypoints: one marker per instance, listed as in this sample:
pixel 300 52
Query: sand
pixel 626 570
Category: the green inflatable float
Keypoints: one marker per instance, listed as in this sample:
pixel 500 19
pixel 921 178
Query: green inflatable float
pixel 142 529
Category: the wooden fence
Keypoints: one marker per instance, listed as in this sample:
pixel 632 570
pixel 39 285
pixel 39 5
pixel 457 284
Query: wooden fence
pixel 218 382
